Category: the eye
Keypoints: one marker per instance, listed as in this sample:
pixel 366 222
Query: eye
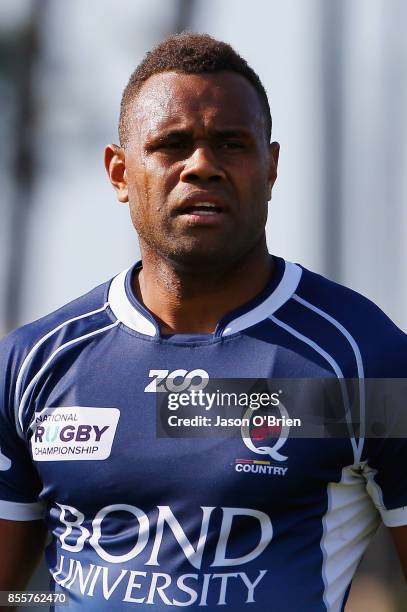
pixel 173 144
pixel 232 144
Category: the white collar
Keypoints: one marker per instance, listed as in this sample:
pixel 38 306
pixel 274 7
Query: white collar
pixel 135 319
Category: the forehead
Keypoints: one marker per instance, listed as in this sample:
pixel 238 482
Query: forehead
pixel 177 100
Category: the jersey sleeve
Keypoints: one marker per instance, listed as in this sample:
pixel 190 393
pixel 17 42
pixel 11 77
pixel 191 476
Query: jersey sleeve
pixel 386 478
pixel 385 465
pixel 20 484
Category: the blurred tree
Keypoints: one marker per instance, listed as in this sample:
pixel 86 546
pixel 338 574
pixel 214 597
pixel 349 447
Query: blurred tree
pixel 23 62
pixel 183 15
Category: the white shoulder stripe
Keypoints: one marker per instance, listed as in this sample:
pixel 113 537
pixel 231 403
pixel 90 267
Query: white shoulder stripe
pixel 335 368
pixel 358 358
pixel 37 346
pixel 281 294
pixel 17 511
pixel 19 423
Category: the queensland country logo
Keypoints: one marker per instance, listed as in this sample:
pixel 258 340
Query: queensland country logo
pixel 264 435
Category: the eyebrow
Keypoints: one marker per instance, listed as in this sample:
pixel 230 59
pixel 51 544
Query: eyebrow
pixel 230 132
pixel 183 132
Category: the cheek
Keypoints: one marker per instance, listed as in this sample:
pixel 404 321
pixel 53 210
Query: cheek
pixel 151 186
pixel 135 173
pixel 147 197
pixel 254 187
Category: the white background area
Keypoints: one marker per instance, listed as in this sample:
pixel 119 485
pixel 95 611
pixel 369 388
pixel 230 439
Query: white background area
pixel 336 75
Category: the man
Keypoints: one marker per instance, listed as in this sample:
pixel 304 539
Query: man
pixel 263 521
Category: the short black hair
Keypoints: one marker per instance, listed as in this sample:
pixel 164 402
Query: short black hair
pixel 188 53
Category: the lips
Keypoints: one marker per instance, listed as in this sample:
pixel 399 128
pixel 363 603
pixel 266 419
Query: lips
pixel 202 209
pixel 201 204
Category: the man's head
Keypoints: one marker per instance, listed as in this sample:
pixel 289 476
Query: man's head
pixel 189 54
pixel 195 133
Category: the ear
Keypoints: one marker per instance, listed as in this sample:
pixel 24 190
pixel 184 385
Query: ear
pixel 115 164
pixel 274 152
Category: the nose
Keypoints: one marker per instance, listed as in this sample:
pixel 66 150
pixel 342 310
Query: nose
pixel 202 165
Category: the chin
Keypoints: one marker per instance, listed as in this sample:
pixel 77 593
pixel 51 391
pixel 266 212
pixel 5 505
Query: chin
pixel 202 256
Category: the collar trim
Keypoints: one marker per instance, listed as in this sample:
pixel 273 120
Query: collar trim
pixel 281 294
pixel 124 310
pixel 127 314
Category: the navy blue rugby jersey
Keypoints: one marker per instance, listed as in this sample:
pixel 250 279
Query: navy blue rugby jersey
pixel 146 522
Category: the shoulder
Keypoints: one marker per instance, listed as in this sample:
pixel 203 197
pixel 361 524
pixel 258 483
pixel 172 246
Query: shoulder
pixel 357 317
pixel 344 304
pixel 86 306
pixel 29 346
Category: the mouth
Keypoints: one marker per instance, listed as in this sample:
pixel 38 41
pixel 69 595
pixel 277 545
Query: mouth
pixel 201 209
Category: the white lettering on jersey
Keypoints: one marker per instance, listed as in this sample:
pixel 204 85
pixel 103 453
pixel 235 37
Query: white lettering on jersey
pixel 142 537
pixel 227 519
pixel 79 518
pixel 166 517
pixel 152 587
pixel 164 380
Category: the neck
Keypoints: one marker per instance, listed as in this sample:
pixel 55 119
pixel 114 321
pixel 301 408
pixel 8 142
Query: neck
pixel 193 300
